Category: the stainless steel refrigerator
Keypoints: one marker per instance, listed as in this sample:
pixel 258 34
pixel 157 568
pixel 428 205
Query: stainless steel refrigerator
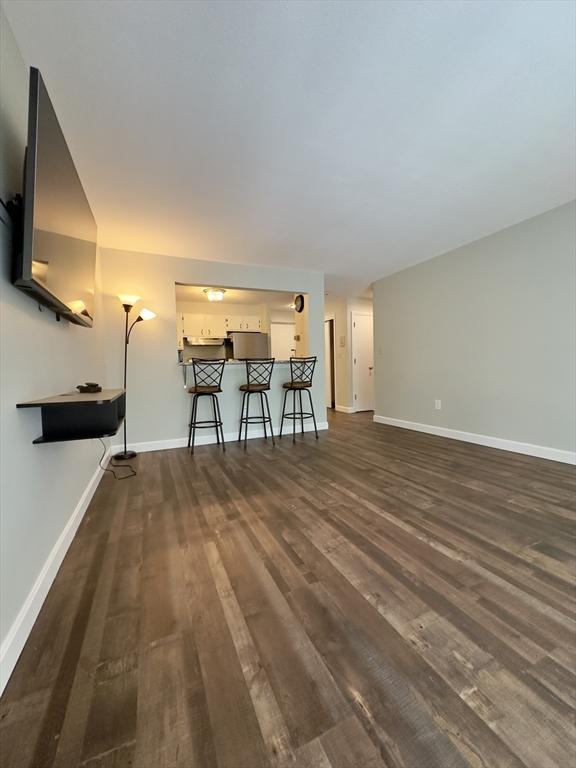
pixel 249 345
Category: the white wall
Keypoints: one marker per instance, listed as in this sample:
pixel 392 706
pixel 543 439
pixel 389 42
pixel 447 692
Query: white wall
pixel 219 308
pixel 282 316
pixel 157 407
pixel 41 486
pixel 490 330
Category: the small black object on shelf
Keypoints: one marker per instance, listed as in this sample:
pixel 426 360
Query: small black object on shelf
pixel 89 386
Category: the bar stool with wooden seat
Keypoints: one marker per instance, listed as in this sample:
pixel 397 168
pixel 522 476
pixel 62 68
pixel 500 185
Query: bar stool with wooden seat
pixel 258 375
pixel 207 383
pixel 301 374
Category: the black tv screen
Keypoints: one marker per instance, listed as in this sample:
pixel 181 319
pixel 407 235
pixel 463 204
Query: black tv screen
pixel 56 262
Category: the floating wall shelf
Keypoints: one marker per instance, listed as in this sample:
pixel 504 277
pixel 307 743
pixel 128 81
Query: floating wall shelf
pixel 80 416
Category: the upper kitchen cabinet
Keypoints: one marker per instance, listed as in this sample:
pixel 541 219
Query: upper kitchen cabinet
pixel 216 325
pixel 252 323
pixel 243 323
pixel 193 325
pixel 207 326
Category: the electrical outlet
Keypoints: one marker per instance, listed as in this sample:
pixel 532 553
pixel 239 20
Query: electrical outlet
pixel 438 405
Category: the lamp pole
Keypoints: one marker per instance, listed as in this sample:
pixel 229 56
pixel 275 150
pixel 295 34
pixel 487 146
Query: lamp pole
pixel 126 454
pixel 128 301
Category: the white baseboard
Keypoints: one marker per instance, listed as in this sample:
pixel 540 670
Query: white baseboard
pixel 344 409
pixel 203 439
pixel 541 451
pixel 18 633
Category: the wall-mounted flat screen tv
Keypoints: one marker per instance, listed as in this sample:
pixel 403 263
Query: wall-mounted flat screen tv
pixel 56 262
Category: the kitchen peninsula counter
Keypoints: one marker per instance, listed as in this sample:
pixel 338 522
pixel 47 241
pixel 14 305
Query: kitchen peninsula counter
pixel 230 400
pixel 240 362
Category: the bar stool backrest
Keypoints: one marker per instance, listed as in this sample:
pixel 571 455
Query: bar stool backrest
pixel 259 371
pixel 207 373
pixel 302 369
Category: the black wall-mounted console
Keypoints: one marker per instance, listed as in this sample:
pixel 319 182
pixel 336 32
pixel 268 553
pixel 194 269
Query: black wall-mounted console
pixel 77 416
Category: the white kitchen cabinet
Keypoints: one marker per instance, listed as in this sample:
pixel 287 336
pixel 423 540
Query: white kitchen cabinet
pixel 234 322
pixel 193 325
pixel 251 323
pixel 243 323
pixel 207 326
pixel 215 325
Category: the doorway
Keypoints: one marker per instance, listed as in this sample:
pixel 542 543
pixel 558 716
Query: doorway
pixel 363 361
pixel 329 382
pixel 282 340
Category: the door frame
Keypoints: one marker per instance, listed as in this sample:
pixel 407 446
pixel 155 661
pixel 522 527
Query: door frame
pixel 353 316
pixel 330 320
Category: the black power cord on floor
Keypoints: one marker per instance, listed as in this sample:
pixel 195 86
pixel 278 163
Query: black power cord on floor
pixel 117 466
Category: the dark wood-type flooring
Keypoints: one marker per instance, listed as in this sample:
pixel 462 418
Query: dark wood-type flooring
pixel 378 597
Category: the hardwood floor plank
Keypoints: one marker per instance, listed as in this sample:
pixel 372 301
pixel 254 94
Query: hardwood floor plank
pixel 348 744
pixel 389 708
pixel 20 723
pixel 235 729
pixel 163 735
pixel 71 739
pixel 272 725
pixel 305 691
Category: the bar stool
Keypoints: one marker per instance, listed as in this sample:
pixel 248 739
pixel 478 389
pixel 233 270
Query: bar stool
pixel 258 375
pixel 207 383
pixel 301 373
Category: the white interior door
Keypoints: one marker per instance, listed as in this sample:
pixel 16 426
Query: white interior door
pixel 282 342
pixel 363 361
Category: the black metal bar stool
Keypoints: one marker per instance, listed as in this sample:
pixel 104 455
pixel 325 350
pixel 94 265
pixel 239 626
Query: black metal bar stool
pixel 258 375
pixel 301 374
pixel 207 383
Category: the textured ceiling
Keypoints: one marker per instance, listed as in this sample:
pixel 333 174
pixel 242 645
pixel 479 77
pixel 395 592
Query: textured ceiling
pixel 355 138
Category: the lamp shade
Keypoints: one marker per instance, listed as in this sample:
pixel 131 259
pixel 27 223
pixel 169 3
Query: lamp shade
pixel 77 306
pixel 128 299
pixel 146 314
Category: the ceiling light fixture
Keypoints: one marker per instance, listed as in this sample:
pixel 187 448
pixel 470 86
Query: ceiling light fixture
pixel 214 294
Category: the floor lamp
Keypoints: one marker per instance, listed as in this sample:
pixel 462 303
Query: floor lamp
pixel 145 314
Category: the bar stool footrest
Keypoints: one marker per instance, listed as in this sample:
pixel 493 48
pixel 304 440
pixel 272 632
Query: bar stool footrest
pixel 255 419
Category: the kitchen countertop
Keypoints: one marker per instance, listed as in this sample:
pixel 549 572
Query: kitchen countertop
pixel 241 362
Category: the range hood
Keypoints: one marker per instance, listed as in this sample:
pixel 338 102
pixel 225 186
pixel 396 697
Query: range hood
pixel 205 341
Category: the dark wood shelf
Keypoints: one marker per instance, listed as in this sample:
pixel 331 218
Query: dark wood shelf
pixel 75 398
pixel 79 416
pixel 42 439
